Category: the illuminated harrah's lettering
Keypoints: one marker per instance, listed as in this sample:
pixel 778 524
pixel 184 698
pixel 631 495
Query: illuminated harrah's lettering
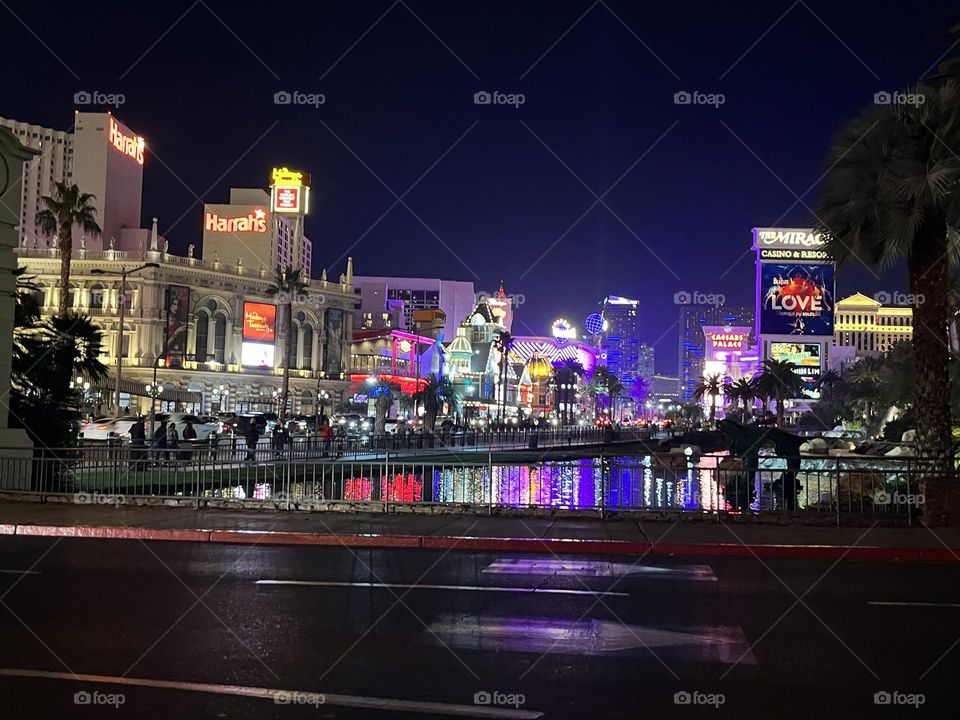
pixel 129 145
pixel 253 222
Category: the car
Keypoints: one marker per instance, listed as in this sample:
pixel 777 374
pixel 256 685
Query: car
pixel 180 419
pixel 353 423
pixel 106 427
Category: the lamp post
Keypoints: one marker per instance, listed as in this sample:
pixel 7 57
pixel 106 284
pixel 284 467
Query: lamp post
pixel 123 307
pixel 322 397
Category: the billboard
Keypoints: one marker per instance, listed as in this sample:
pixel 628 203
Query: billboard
pixel 289 191
pixel 256 354
pixel 175 337
pixel 235 219
pixel 796 299
pixel 333 348
pixel 807 357
pixel 259 322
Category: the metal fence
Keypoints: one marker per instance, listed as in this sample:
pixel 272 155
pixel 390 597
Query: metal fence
pixel 319 475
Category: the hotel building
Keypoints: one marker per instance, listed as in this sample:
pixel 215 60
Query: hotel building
pixel 866 325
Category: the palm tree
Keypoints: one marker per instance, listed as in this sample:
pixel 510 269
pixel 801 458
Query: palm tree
pixel 67 207
pixel 288 285
pixel 741 392
pixel 779 379
pixel 892 191
pixel 503 342
pixel 385 393
pixel 433 395
pixel 711 385
pixel 829 383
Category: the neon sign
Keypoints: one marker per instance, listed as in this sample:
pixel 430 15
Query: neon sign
pixel 727 341
pixel 290 191
pixel 253 222
pixel 130 145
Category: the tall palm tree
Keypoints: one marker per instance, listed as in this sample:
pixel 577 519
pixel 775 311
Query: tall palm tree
pixel 66 208
pixel 712 386
pixel 779 379
pixel 829 383
pixel 288 285
pixel 741 392
pixel 503 342
pixel 384 394
pixel 892 191
pixel 432 397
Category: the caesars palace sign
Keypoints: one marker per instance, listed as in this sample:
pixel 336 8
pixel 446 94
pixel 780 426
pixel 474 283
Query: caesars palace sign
pixel 253 222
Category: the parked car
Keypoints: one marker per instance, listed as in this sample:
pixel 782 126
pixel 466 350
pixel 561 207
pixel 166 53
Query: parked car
pixel 106 427
pixel 241 423
pixel 180 419
pixel 353 423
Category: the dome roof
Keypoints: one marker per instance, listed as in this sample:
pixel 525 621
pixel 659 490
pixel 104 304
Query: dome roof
pixel 539 367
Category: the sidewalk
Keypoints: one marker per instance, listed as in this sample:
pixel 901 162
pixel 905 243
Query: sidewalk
pixel 480 533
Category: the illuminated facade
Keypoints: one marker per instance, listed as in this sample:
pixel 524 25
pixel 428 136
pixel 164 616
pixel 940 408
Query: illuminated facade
pixel 389 302
pixel 693 318
pixel 867 326
pixel 223 334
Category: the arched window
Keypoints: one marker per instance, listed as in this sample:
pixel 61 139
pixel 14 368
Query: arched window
pixel 98 298
pixel 203 326
pixel 219 338
pixel 307 347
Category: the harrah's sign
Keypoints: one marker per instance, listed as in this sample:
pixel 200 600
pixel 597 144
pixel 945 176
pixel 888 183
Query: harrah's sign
pixel 253 222
pixel 129 145
pixel 787 238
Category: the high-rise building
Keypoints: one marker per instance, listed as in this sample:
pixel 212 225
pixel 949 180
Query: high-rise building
pixel 866 325
pixel 692 340
pixel 620 347
pixel 386 300
pixel 53 164
pixel 247 230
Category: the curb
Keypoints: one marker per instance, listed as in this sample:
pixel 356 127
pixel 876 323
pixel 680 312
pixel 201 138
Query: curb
pixel 491 544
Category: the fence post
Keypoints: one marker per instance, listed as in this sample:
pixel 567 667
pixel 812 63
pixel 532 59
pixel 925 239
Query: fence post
pixel 838 491
pixel 490 481
pixel 603 487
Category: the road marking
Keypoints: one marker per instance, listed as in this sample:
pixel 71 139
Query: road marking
pixel 465 588
pixel 591 568
pixel 19 572
pixel 892 603
pixel 333 699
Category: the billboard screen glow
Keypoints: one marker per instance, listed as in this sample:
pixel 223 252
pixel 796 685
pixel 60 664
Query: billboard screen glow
pixel 259 322
pixel 796 299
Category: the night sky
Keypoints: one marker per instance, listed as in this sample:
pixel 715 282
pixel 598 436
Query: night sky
pixel 499 192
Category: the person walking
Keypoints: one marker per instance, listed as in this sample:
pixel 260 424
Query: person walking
pixel 160 443
pixel 252 437
pixel 173 441
pixel 138 436
pixel 189 437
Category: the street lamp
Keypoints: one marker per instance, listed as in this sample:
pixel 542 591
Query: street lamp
pixel 322 397
pixel 123 307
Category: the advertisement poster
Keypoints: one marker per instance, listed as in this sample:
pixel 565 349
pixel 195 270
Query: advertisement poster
pixel 175 339
pixel 807 359
pixel 796 299
pixel 259 322
pixel 334 345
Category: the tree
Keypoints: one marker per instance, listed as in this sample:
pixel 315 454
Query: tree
pixel 741 392
pixel 892 191
pixel 66 208
pixel 384 394
pixel 502 343
pixel 711 385
pixel 288 285
pixel 432 397
pixel 46 357
pixel 779 379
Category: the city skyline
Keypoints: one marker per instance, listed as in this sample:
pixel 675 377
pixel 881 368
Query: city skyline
pixel 529 162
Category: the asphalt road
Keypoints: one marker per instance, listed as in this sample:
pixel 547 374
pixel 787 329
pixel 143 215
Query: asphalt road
pixel 162 630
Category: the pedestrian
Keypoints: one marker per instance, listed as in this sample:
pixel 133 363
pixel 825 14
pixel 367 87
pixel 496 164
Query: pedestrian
pixel 326 437
pixel 189 437
pixel 173 441
pixel 138 436
pixel 160 443
pixel 252 437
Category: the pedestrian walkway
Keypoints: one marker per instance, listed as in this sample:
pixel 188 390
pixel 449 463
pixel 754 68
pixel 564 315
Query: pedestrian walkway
pixel 626 536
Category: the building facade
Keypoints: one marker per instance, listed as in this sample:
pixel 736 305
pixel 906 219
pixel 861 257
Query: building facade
pixel 386 300
pixel 692 348
pixel 870 328
pixel 208 332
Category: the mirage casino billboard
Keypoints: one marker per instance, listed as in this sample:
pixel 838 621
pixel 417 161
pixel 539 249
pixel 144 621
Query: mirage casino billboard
pixel 796 299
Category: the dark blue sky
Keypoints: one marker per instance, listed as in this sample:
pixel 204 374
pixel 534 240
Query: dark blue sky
pixel 504 186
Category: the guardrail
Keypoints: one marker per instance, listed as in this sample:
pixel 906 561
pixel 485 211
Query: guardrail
pixel 322 477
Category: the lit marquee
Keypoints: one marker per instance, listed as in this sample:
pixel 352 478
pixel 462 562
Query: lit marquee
pixel 289 191
pixel 130 145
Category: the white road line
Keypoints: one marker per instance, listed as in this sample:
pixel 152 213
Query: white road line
pixel 333 699
pixel 891 603
pixel 19 572
pixel 466 588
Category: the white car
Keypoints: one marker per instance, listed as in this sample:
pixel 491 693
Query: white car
pixel 107 427
pixel 180 419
